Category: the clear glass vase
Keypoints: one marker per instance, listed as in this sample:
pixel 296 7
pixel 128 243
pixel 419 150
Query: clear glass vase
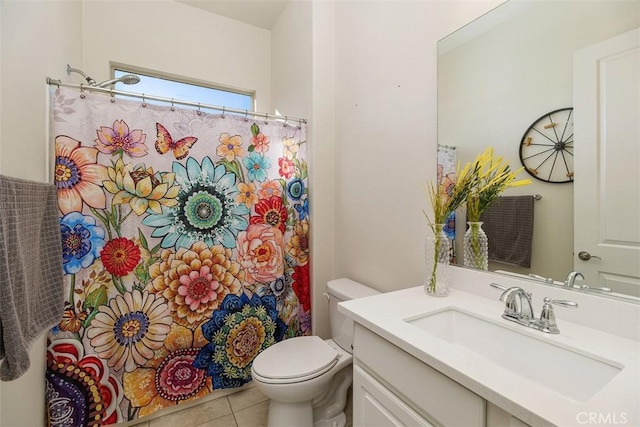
pixel 476 247
pixel 437 255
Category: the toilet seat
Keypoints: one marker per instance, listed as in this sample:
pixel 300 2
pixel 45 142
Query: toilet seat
pixel 294 360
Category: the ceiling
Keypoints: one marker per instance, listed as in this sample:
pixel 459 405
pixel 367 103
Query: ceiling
pixel 261 13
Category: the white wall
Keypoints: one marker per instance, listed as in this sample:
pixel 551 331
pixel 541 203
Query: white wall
pixel 38 38
pixel 174 38
pixel 385 137
pixel 302 85
pixel 497 84
pixel 292 65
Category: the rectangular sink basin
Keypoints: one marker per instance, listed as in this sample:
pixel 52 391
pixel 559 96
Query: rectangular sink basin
pixel 570 372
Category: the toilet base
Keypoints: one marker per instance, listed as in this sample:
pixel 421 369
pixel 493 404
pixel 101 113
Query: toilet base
pixel 337 421
pixel 330 405
pixel 290 414
pixel 300 414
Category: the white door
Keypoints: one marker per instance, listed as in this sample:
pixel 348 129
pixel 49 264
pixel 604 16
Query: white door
pixel 606 95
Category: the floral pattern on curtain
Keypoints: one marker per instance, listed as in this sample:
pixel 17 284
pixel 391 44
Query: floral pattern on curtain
pixel 185 253
pixel 446 179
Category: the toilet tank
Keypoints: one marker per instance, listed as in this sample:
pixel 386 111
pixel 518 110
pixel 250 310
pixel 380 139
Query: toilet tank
pixel 342 326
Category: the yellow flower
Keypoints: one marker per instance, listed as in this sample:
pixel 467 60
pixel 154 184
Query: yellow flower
pixel 449 194
pixel 141 188
pixel 247 194
pixel 494 176
pixel 298 245
pixel 290 148
pixel 230 147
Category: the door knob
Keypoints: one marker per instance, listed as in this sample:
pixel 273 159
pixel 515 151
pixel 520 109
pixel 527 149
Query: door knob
pixel 586 256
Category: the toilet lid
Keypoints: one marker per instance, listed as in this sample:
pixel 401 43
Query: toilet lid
pixel 294 358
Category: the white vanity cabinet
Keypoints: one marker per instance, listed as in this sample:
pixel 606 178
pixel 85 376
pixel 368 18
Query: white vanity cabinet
pixel 393 388
pixel 376 405
pixel 497 417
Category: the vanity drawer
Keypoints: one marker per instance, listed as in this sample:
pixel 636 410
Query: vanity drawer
pixel 427 391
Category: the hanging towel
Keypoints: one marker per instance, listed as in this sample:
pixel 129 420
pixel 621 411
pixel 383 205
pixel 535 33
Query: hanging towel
pixel 31 287
pixel 508 224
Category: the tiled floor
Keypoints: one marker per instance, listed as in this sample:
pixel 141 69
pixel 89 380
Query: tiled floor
pixel 246 408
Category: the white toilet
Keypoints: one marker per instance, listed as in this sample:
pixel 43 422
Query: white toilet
pixel 306 378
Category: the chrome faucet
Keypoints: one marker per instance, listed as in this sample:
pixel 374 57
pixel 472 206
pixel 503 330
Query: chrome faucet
pixel 571 279
pixel 518 309
pixel 570 282
pixel 518 306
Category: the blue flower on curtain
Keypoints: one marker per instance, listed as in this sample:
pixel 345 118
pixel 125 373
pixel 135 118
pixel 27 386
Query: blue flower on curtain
pixel 238 331
pixel 302 208
pixel 82 241
pixel 450 226
pixel 256 166
pixel 206 208
pixel 295 189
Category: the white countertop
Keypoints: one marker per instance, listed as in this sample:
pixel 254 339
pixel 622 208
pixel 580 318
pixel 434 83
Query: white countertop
pixel 617 403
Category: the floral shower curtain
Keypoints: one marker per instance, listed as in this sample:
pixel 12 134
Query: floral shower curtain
pixel 184 251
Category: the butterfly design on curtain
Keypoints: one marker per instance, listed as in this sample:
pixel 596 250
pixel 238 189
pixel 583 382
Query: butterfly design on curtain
pixel 165 143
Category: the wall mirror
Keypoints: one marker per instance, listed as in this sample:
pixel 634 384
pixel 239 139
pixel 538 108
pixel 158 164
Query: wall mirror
pixel 503 71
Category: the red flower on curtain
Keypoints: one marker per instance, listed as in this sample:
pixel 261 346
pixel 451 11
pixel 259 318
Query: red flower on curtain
pixel 302 285
pixel 271 212
pixel 287 167
pixel 120 256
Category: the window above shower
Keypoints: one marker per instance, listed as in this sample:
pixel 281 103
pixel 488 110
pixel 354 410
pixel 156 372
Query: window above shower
pixel 183 89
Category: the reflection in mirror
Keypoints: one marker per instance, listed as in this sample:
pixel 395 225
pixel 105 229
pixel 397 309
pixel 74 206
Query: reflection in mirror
pixel 499 74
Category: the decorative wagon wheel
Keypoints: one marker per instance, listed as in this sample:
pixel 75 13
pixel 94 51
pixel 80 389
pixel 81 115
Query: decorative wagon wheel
pixel 546 148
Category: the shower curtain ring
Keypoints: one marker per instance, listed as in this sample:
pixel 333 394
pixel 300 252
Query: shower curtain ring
pixel 266 116
pixel 246 114
pixel 285 121
pixel 82 95
pixel 113 99
pixel 172 107
pixel 300 124
pixel 223 107
pixel 144 103
pixel 199 112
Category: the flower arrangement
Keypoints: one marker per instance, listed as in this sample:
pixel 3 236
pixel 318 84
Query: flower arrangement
pixel 478 185
pixel 447 198
pixel 444 200
pixel 493 176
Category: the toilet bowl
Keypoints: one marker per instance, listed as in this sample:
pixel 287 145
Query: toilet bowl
pixel 307 378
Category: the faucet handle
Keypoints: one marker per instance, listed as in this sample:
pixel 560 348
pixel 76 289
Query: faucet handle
pixel 547 321
pixel 562 302
pixel 497 286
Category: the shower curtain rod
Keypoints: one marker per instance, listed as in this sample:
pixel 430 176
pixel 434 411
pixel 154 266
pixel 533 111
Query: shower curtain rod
pixel 199 105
